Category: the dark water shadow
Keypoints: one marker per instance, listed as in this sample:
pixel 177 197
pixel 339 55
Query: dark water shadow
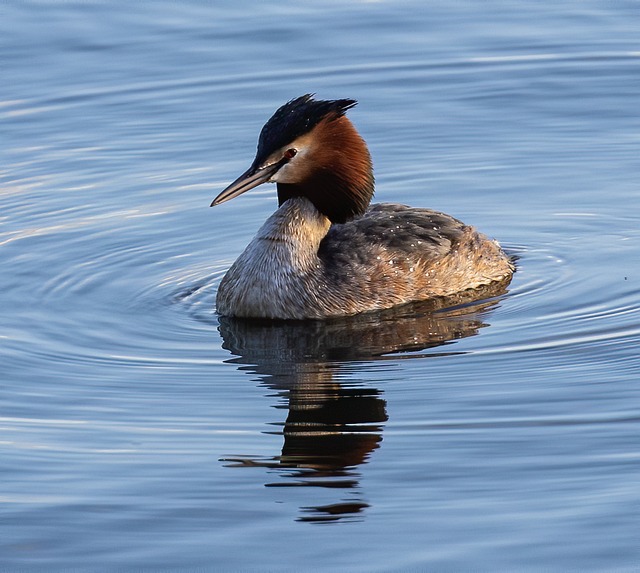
pixel 334 423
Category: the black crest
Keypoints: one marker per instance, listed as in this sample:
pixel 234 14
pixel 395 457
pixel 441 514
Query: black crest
pixel 295 118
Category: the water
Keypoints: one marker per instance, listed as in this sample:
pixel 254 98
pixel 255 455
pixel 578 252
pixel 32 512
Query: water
pixel 142 432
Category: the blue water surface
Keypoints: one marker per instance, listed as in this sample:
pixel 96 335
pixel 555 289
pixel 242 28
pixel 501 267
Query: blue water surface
pixel 142 432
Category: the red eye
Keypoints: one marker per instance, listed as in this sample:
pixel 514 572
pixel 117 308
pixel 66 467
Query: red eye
pixel 290 153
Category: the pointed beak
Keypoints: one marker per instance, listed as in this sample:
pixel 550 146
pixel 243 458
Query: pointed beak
pixel 251 178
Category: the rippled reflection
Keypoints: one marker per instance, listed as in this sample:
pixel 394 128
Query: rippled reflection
pixel 334 425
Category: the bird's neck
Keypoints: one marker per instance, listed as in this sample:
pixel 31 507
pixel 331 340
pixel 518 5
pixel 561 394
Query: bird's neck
pixel 290 237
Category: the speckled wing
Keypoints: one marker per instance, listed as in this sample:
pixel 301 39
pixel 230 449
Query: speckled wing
pixel 398 230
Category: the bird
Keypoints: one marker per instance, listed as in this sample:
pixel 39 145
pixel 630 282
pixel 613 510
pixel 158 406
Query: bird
pixel 326 251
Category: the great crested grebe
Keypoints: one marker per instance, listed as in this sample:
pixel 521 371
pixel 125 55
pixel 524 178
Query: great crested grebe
pixel 325 252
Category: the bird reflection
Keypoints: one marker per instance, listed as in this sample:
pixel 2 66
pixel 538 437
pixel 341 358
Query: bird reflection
pixel 334 423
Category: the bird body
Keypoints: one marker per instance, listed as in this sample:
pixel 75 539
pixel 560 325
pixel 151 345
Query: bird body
pixel 325 252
